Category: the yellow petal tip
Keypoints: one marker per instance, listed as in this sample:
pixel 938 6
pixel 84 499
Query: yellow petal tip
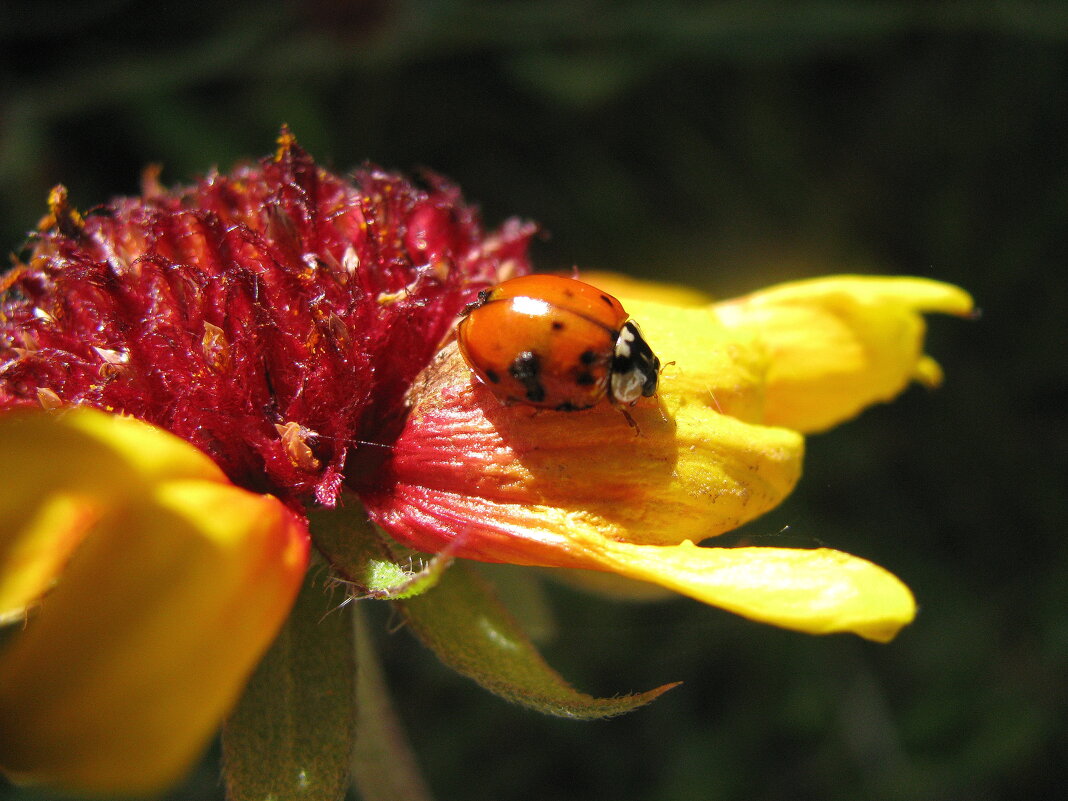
pixel 928 372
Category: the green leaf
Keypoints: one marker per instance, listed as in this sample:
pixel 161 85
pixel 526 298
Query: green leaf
pixel 291 735
pixel 464 623
pixel 372 564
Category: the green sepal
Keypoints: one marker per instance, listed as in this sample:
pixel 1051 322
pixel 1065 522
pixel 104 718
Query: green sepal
pixel 464 623
pixel 291 734
pixel 372 564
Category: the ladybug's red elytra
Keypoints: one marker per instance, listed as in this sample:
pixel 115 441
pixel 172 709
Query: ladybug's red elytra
pixel 556 343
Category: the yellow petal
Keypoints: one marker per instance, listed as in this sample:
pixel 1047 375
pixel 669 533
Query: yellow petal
pixel 59 474
pixel 705 363
pixel 627 288
pixel 34 551
pixel 818 591
pixel 837 345
pixel 179 583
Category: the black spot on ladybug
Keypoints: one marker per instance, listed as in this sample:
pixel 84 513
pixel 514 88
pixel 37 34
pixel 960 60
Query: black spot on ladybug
pixel 588 357
pixel 585 379
pixel 558 326
pixel 525 369
pixel 525 366
pixel 492 377
pixel 567 407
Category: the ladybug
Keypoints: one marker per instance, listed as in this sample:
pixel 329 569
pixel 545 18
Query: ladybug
pixel 556 343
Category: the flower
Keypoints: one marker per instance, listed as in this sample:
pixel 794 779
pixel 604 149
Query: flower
pixel 290 329
pixel 273 319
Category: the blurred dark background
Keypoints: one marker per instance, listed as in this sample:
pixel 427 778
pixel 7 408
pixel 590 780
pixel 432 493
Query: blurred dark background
pixel 726 146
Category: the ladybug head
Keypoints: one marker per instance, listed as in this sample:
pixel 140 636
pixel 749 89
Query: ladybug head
pixel 635 368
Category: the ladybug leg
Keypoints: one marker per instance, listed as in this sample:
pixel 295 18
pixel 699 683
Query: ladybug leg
pixel 630 421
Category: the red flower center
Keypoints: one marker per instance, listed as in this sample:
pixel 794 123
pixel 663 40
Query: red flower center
pixel 274 317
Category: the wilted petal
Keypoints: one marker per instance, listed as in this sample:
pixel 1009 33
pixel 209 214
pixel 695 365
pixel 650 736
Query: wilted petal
pixel 513 484
pixel 837 345
pixel 178 584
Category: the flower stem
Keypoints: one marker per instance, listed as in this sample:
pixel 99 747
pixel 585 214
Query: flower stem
pixel 384 767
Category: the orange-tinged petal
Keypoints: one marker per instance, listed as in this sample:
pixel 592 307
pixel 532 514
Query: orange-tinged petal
pixel 837 345
pixel 128 664
pixel 512 484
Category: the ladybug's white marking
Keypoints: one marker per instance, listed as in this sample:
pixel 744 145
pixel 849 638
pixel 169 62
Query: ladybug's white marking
pixel 626 387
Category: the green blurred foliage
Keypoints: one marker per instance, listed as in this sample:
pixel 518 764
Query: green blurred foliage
pixel 728 146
